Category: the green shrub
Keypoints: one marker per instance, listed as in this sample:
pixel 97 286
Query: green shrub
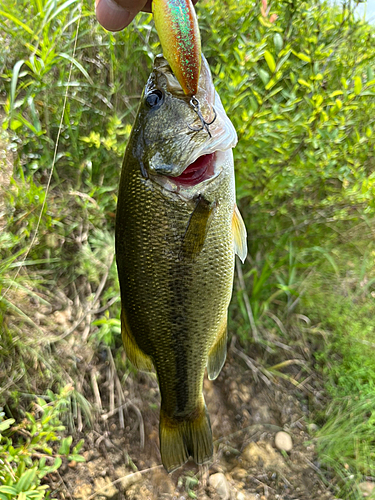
pixel 29 451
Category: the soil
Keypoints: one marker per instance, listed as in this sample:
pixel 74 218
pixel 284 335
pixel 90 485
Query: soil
pixel 245 415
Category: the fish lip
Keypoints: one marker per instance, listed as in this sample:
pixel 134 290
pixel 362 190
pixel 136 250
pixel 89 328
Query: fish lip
pixel 186 192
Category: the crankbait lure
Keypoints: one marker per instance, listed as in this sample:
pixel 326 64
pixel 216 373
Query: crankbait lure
pixel 177 27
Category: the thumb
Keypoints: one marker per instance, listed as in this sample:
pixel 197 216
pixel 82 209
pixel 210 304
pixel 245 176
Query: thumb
pixel 112 16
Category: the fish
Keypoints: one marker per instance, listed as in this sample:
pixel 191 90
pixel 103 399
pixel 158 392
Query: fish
pixel 177 27
pixel 178 229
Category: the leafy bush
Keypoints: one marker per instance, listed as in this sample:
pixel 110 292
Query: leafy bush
pixel 28 450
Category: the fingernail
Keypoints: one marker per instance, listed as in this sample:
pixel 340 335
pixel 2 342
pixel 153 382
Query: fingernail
pixel 112 16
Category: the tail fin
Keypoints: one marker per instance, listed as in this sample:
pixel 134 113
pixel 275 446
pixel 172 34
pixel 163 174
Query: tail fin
pixel 180 439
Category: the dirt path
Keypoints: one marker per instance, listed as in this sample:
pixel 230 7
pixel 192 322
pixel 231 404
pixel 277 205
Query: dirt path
pixel 246 416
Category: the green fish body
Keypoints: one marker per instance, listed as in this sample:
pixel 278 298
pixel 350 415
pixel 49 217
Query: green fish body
pixel 177 232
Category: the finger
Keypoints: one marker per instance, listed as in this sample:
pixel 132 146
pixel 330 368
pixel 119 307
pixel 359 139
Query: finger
pixel 114 16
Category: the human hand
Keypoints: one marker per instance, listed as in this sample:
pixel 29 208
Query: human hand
pixel 115 15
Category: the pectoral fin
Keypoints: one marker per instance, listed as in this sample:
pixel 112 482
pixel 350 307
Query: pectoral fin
pixel 197 228
pixel 137 357
pixel 239 234
pixel 218 353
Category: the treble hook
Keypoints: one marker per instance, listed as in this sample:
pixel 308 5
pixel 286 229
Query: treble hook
pixel 194 103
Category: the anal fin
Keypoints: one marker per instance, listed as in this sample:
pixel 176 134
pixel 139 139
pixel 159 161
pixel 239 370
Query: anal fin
pixel 217 353
pixel 182 438
pixel 239 234
pixel 136 356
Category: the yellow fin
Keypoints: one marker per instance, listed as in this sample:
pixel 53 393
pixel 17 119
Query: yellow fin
pixel 239 234
pixel 180 439
pixel 137 357
pixel 217 354
pixel 197 228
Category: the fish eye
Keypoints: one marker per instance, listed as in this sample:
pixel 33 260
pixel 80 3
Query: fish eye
pixel 155 99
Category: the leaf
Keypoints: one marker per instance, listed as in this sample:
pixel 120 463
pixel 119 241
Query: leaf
pixel 15 73
pixel 52 468
pixel 77 458
pixel 303 57
pixel 78 65
pixel 336 92
pixel 271 84
pixel 17 21
pixel 6 424
pixel 357 85
pixel 270 61
pixel 65 445
pixel 26 480
pixel 264 76
pixel 278 42
pixel 59 9
pixel 78 446
pixel 304 82
pixel 8 490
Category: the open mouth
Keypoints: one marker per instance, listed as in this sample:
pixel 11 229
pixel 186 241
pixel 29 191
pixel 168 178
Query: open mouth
pixel 202 169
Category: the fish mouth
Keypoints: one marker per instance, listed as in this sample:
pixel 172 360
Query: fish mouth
pixel 202 169
pixel 205 163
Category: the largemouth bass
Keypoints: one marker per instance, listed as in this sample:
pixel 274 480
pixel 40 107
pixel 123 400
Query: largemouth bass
pixel 177 232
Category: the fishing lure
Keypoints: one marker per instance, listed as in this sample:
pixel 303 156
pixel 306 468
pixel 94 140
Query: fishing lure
pixel 177 27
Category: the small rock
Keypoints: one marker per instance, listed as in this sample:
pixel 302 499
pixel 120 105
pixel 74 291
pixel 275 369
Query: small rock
pixel 312 428
pixel 283 441
pixel 220 483
pixel 367 488
pixel 262 454
pixel 243 495
pixel 238 473
pixel 105 486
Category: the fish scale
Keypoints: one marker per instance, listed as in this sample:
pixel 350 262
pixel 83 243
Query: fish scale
pixel 175 292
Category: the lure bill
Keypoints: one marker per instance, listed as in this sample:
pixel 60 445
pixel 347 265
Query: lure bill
pixel 177 27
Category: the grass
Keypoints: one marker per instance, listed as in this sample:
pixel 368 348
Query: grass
pixel 342 308
pixel 307 199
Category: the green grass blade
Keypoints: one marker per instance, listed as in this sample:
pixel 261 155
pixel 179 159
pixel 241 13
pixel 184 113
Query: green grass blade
pixel 17 21
pixel 65 5
pixel 13 85
pixel 78 65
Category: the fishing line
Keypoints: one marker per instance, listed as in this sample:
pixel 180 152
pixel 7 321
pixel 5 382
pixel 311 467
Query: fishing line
pixel 54 154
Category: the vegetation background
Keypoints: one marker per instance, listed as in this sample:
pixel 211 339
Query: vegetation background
pixel 300 90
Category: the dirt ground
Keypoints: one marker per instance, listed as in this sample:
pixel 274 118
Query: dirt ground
pixel 247 412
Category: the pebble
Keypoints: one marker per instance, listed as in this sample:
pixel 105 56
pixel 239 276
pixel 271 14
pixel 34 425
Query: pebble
pixel 220 483
pixel 262 454
pixel 367 488
pixel 283 441
pixel 312 428
pixel 242 495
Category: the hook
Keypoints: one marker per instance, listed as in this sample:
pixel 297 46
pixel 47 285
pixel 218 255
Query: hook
pixel 194 103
